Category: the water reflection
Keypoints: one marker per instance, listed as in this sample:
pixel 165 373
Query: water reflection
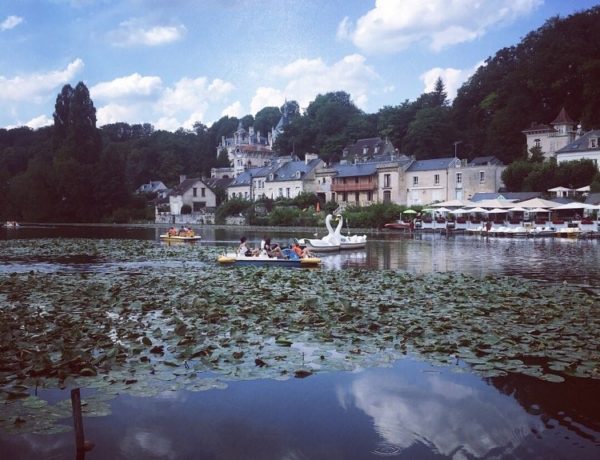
pixel 551 259
pixel 454 418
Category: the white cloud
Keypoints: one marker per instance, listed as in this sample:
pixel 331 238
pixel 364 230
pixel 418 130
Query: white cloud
pixel 25 88
pixel 266 97
pixel 145 99
pixel 40 122
pixel 10 23
pixel 115 113
pixel 133 33
pixel 306 78
pixel 393 25
pixel 193 94
pixel 233 110
pixel 130 86
pixel 452 78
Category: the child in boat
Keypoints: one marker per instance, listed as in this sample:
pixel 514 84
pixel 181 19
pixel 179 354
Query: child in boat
pixel 301 252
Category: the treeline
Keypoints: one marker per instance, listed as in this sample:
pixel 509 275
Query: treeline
pixel 74 171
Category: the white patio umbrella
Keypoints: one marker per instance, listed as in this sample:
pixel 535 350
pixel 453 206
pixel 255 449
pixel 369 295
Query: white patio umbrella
pixel 573 205
pixel 497 211
pixel 460 211
pixel 538 210
pixel 517 209
pixel 442 209
pixel 478 209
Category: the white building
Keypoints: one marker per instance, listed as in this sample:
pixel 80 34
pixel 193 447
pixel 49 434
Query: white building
pixel 551 138
pixel 584 147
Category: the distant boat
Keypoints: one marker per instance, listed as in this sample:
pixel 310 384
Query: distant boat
pixel 399 225
pixel 11 224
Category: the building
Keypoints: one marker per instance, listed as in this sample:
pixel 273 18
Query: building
pixel 586 146
pixel 246 149
pixel 249 148
pixel 285 177
pixel 444 179
pixel 371 149
pixel 192 192
pixel 154 186
pixel 552 138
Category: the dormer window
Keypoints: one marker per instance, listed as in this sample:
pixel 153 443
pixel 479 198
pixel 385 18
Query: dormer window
pixel 271 176
pixel 298 174
pixel 365 150
pixel 593 142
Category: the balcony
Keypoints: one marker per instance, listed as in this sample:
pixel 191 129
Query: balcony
pixel 354 187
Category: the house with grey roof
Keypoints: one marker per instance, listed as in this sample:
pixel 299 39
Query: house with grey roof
pixel 553 137
pixel 154 186
pixel 586 146
pixel 370 149
pixel 364 183
pixel 285 177
pixel 443 179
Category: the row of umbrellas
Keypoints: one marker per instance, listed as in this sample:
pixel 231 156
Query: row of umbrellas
pixel 502 206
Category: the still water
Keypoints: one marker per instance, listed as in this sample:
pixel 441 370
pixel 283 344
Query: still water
pixel 410 410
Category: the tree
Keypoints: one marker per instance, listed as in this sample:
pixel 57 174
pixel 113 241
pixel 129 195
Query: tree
pixel 430 134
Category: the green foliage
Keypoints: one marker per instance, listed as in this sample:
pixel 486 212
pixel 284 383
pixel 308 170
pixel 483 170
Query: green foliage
pixel 233 207
pixel 186 209
pixel 540 176
pixel 373 216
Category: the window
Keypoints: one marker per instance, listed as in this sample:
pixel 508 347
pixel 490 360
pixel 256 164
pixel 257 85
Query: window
pixel 387 196
pixel 436 179
pixel 459 178
pixel 481 177
pixel 415 180
pixel 369 196
pixel 593 143
pixel 345 197
pixel 203 192
pixel 195 192
pixel 387 180
pixel 357 197
pixel 280 192
pixel 537 143
pixel 287 192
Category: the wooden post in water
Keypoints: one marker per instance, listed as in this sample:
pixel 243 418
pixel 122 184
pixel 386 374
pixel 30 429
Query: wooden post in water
pixel 77 420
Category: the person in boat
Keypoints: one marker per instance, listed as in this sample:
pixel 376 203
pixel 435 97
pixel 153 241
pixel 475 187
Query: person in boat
pixel 172 231
pixel 301 252
pixel 244 250
pixel 272 250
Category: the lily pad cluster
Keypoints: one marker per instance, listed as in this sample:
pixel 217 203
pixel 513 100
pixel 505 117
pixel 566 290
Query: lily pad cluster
pixel 148 330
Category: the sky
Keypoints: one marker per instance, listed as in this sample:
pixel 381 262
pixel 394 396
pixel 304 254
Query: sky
pixel 172 63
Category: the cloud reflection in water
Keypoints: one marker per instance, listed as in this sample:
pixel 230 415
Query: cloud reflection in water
pixel 455 419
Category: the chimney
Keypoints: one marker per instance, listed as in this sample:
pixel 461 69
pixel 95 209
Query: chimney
pixel 182 177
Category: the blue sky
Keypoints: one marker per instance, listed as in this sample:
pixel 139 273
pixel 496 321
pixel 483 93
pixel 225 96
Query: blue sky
pixel 174 62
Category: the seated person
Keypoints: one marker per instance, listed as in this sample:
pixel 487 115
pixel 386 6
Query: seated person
pixel 272 250
pixel 301 252
pixel 244 250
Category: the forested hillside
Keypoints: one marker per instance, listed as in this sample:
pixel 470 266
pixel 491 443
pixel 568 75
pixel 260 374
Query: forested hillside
pixel 76 171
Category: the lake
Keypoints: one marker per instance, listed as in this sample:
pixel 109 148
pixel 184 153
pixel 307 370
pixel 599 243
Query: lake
pixel 398 405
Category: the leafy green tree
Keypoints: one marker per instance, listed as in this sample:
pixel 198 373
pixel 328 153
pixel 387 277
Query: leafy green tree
pixel 430 134
pixel 266 119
